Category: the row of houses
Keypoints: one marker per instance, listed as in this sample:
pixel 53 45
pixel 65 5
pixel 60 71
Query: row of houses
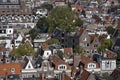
pixel 50 66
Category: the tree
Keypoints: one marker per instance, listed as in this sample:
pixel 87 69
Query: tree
pixel 105 44
pixel 118 59
pixel 60 54
pixel 107 76
pixel 47 6
pixel 79 50
pixel 52 41
pixel 41 27
pixel 64 18
pixel 33 33
pixel 23 49
pixel 110 30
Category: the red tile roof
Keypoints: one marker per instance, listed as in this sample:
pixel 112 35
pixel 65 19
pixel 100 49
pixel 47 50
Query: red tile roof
pixel 1 47
pixel 86 60
pixel 82 76
pixel 68 51
pixel 58 61
pixel 45 46
pixel 66 77
pixel 5 69
pixel 73 70
pixel 85 75
pixel 103 36
pixel 110 54
pixel 118 27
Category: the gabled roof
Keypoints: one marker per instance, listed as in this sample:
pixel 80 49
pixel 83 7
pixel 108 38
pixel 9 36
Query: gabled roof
pixel 118 27
pixel 110 54
pixel 65 77
pixel 6 68
pixel 38 61
pixel 58 61
pixel 45 46
pixel 81 75
pixel 27 63
pixel 85 75
pixel 103 36
pixel 93 37
pixel 68 51
pixel 85 60
pixel 81 31
pixel 1 47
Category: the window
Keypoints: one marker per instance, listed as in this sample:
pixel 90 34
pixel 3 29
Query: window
pixel 10 31
pixel 29 66
pixel 95 45
pixel 18 41
pixel 73 40
pixel 107 64
pixel 12 69
pixel 87 44
pixel 91 65
pixel 62 67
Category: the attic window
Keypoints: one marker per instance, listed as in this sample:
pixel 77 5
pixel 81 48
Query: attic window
pixel 87 44
pixel 62 67
pixel 12 69
pixel 29 66
pixel 95 45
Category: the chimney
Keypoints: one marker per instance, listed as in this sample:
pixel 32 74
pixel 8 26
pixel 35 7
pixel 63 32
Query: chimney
pixel 4 59
pixel 43 77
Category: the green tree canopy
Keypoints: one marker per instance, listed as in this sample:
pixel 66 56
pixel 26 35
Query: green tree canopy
pixel 47 6
pixel 105 44
pixel 64 18
pixel 118 59
pixel 33 33
pixel 60 54
pixel 79 50
pixel 23 49
pixel 52 41
pixel 41 27
pixel 110 30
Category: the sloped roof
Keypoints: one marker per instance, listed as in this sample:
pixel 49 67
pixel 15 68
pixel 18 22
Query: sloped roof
pixel 68 51
pixel 6 68
pixel 81 76
pixel 85 75
pixel 85 60
pixel 57 61
pixel 110 54
pixel 66 77
pixel 118 27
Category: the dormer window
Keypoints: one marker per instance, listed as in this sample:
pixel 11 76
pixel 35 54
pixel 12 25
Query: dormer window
pixel 12 70
pixel 62 67
pixel 29 66
pixel 47 53
pixel 91 65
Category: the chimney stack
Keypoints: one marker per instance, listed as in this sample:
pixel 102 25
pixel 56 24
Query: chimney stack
pixel 43 77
